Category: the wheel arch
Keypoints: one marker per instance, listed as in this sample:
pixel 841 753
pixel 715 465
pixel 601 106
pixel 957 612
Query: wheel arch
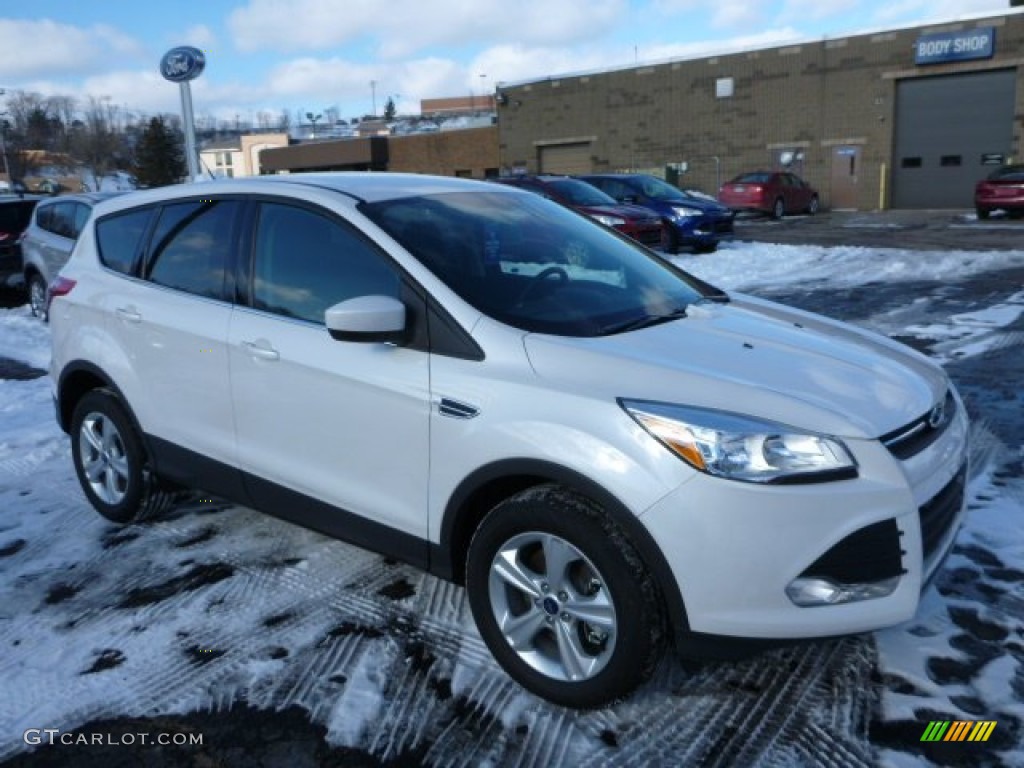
pixel 77 379
pixel 482 490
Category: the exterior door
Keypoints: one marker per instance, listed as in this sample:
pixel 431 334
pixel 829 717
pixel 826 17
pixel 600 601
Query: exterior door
pixel 176 321
pixel 346 423
pixel 845 175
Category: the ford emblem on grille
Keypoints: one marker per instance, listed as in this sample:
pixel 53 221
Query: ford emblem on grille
pixel 937 416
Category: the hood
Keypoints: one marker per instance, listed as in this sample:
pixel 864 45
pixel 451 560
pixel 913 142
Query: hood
pixel 628 212
pixel 756 358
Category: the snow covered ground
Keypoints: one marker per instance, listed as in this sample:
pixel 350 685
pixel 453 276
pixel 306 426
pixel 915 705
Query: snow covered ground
pixel 214 605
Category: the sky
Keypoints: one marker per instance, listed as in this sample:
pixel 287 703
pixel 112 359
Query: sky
pixel 265 56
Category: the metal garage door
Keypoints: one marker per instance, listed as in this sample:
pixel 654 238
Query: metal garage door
pixel 945 126
pixel 565 158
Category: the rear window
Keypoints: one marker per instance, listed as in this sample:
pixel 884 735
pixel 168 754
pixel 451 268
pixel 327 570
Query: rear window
pixel 1008 173
pixel 753 178
pixel 119 237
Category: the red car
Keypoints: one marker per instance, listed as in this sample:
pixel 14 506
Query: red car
pixel 634 221
pixel 773 192
pixel 1003 189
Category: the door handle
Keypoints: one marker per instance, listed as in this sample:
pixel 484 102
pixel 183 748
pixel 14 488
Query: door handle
pixel 261 351
pixel 129 314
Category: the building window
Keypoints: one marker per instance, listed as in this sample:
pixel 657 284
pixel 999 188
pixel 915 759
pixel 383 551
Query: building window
pixel 949 161
pixel 224 159
pixel 724 87
pixel 910 162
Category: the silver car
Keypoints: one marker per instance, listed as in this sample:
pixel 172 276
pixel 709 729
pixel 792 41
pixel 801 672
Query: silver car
pixel 49 240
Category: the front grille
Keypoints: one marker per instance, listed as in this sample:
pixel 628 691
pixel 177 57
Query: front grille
pixel 868 555
pixel 724 226
pixel 937 515
pixel 909 440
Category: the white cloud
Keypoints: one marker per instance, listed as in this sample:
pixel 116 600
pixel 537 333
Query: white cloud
pixel 37 48
pixel 199 36
pixel 909 12
pixel 403 27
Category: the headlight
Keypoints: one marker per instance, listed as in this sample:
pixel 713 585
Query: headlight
pixel 739 447
pixel 609 221
pixel 685 212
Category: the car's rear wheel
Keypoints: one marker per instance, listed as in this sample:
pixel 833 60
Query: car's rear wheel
pixel 562 599
pixel 37 295
pixel 983 213
pixel 110 461
pixel 778 209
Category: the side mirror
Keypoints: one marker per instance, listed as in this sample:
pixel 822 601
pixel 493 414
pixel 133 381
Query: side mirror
pixel 367 319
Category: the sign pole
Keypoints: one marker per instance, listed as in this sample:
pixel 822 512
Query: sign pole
pixel 180 65
pixel 189 128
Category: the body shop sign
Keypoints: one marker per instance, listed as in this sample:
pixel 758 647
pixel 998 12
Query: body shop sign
pixel 977 43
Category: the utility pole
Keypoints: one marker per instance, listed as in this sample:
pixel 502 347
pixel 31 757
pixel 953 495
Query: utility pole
pixel 373 96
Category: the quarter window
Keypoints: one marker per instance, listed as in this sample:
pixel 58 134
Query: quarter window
pixel 192 245
pixel 307 262
pixel 118 238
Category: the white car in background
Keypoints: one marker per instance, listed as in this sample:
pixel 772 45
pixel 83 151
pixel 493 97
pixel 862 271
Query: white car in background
pixel 606 451
pixel 49 240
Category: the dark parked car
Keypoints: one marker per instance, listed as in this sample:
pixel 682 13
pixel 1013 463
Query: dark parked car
pixel 1002 190
pixel 49 239
pixel 632 220
pixel 773 192
pixel 15 214
pixel 691 220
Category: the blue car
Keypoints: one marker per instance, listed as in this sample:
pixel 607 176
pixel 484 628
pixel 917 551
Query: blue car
pixel 692 220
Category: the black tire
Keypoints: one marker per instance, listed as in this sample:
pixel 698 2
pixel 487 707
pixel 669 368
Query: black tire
pixel 983 213
pixel 778 208
pixel 706 248
pixel 104 442
pixel 601 569
pixel 813 206
pixel 36 295
pixel 669 238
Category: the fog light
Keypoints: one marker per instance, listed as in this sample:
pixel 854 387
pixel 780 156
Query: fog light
pixel 809 592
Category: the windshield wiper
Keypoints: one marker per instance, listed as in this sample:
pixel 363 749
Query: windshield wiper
pixel 642 322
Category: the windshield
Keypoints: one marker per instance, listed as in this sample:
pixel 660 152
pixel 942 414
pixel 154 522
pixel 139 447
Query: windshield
pixel 656 189
pixel 535 265
pixel 580 193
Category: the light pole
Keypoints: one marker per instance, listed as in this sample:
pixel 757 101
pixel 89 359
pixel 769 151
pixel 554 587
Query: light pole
pixel 3 145
pixel 313 118
pixel 373 96
pixel 483 90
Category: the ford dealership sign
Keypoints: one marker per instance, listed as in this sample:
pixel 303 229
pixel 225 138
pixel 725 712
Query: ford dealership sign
pixel 182 64
pixel 977 43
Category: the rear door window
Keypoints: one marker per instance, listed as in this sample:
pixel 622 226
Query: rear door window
pixel 192 246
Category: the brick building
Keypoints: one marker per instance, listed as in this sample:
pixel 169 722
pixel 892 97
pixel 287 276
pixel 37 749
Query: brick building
pixel 907 118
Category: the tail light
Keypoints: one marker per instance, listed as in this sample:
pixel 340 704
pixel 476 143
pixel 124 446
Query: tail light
pixel 61 286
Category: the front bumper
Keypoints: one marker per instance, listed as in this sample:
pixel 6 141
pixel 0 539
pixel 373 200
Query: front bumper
pixel 734 548
pixel 703 230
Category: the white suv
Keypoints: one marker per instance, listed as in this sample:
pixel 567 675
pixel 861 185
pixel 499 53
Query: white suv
pixel 606 451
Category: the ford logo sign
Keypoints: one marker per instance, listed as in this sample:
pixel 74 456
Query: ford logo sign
pixel 937 416
pixel 182 64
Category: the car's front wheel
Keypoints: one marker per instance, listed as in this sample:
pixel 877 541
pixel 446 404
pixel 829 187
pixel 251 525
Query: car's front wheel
pixel 813 206
pixel 983 213
pixel 110 461
pixel 562 599
pixel 37 295
pixel 778 209
pixel 669 238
